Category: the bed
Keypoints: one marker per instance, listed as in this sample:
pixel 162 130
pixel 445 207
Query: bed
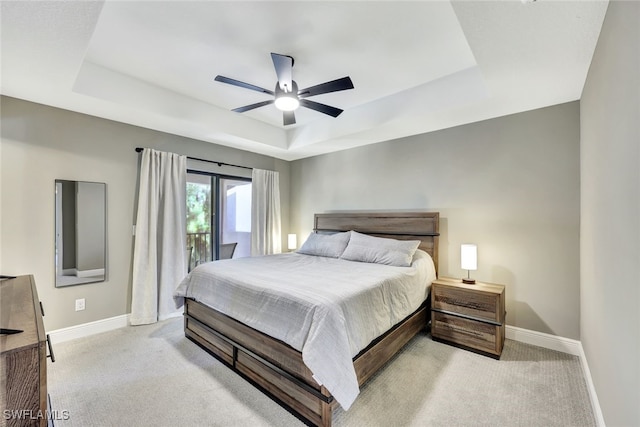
pixel 337 345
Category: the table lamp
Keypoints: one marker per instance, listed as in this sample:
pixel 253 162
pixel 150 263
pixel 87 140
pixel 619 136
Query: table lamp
pixel 469 260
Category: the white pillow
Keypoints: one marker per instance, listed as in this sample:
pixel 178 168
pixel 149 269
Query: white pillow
pixel 328 245
pixel 379 250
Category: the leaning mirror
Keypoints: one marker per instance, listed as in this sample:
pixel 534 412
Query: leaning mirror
pixel 80 235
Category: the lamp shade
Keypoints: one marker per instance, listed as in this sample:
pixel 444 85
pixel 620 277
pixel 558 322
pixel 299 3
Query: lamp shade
pixel 292 241
pixel 469 257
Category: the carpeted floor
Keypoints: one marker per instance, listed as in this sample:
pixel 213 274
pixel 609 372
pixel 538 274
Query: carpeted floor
pixel 153 376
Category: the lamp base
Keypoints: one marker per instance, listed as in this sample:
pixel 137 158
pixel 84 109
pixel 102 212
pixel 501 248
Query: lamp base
pixel 469 281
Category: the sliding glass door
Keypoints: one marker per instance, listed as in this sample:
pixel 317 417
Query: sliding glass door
pixel 218 217
pixel 235 218
pixel 200 219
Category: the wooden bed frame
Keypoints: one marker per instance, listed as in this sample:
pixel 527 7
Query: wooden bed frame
pixel 276 368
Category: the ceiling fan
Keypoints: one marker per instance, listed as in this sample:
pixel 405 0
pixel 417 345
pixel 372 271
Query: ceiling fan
pixel 287 97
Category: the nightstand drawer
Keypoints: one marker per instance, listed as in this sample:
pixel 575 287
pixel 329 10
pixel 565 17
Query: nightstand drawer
pixel 481 336
pixel 469 300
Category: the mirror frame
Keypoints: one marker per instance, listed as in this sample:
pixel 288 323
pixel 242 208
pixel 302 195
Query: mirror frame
pixel 84 201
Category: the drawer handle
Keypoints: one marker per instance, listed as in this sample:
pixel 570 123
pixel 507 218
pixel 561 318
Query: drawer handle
pixel 41 308
pixel 51 355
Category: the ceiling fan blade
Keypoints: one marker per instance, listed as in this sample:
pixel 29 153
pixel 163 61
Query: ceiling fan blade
pixel 332 86
pixel 288 118
pixel 252 106
pixel 326 109
pixel 283 65
pixel 235 82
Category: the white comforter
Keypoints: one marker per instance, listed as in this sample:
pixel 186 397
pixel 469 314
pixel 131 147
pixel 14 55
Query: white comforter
pixel 328 309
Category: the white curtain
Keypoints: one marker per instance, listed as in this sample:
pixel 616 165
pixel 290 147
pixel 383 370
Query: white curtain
pixel 265 213
pixel 159 263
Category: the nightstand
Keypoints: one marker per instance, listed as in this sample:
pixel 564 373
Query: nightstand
pixel 468 316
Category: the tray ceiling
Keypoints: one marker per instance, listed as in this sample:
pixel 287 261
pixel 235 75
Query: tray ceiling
pixel 417 66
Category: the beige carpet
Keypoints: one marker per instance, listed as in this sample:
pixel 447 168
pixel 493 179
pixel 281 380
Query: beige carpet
pixel 153 376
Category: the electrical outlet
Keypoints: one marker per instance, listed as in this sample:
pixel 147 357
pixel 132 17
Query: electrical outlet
pixel 80 304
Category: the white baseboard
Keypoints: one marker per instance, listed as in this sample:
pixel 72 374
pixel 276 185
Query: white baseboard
pixel 88 329
pixel 552 342
pixel 565 345
pixel 595 403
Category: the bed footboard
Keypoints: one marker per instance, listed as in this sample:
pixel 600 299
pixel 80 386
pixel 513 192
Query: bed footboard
pixel 276 368
pixel 271 365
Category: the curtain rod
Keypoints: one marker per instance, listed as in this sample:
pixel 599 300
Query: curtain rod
pixel 139 150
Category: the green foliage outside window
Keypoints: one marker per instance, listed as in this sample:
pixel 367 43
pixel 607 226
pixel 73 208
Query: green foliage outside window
pixel 198 208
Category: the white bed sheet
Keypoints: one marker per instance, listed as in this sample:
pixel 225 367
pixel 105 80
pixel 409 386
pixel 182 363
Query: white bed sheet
pixel 328 309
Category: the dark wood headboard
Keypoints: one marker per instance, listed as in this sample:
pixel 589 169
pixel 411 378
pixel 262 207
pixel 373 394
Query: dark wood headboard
pixel 423 226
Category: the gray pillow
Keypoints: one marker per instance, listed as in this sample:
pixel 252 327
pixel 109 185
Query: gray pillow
pixel 327 245
pixel 379 250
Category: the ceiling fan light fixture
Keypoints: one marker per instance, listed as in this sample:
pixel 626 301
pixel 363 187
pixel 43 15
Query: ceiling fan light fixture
pixel 286 96
pixel 287 99
pixel 287 102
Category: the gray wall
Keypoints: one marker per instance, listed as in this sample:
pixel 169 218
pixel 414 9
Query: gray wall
pixel 41 144
pixel 511 185
pixel 610 214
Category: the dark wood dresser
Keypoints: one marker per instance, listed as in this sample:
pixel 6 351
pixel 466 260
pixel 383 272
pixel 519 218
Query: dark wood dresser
pixel 471 316
pixel 23 359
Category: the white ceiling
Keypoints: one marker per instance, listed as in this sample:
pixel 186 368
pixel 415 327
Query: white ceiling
pixel 417 66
